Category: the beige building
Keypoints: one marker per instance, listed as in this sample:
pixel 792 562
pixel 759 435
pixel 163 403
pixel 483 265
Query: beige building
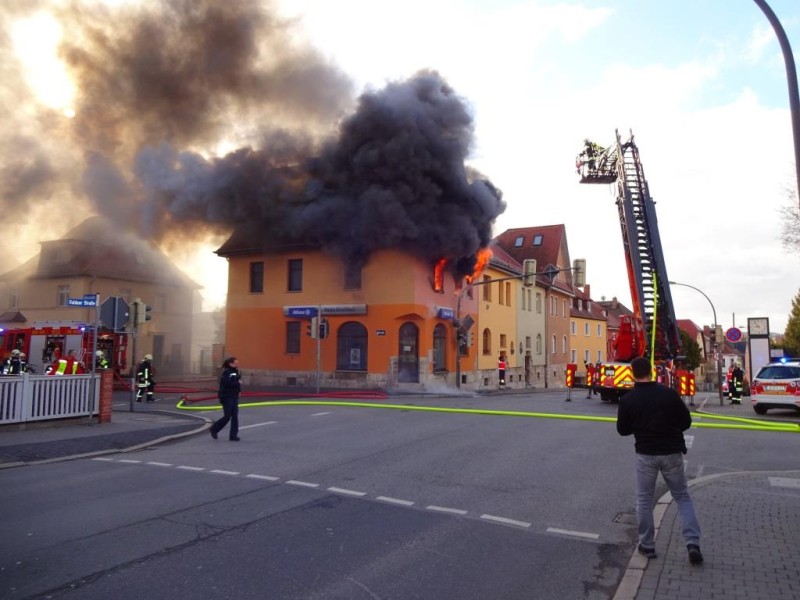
pixel 96 258
pixel 587 332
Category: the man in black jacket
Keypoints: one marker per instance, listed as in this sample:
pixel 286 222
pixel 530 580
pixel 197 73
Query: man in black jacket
pixel 657 418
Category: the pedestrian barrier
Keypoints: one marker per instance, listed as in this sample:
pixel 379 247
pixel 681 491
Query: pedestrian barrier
pixel 27 397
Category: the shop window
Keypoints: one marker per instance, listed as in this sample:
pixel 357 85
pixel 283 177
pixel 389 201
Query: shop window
pixel 351 347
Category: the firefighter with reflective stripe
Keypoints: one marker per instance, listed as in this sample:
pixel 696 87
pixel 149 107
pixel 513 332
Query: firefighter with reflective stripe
pixel 590 379
pixel 12 365
pixel 501 369
pixel 737 385
pixel 70 365
pixel 145 383
pixel 100 360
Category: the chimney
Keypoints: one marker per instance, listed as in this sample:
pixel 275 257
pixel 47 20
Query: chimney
pixel 587 290
pixel 614 303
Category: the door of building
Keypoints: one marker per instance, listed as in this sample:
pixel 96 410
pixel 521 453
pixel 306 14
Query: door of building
pixel 407 355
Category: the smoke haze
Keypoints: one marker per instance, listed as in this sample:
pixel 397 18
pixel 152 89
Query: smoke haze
pixel 163 85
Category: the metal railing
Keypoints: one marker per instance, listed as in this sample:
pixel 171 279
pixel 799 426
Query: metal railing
pixel 28 397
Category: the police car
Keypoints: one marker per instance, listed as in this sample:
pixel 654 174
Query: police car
pixel 777 385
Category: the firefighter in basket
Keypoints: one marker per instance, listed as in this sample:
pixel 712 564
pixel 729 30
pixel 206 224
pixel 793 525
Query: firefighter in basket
pixel 145 382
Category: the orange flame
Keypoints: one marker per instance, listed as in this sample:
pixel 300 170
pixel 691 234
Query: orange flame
pixel 482 259
pixel 438 275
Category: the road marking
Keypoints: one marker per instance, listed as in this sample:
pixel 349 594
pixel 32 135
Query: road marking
pixel 264 477
pixel 322 414
pixel 302 483
pixel 221 472
pixel 580 534
pixel 785 482
pixel 158 464
pixel 258 425
pixel 395 501
pixel 454 511
pixel 689 440
pixel 337 490
pixel 188 468
pixel 129 461
pixel 104 459
pixel 505 520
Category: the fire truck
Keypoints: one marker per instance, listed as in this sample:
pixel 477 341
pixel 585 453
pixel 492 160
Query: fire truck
pixel 47 340
pixel 651 331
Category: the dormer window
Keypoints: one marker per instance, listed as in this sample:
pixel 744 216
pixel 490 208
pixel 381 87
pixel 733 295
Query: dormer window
pixel 580 304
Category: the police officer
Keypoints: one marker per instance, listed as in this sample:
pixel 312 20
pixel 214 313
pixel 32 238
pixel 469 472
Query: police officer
pixel 144 379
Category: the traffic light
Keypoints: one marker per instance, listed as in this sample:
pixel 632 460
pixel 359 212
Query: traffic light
pixel 142 311
pixel 312 328
pixel 529 269
pixel 470 338
pixel 323 329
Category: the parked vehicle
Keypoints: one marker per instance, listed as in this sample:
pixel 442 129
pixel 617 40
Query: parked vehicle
pixel 777 385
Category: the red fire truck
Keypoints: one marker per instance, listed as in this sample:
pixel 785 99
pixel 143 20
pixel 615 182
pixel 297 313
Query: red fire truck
pixel 46 341
pixel 652 330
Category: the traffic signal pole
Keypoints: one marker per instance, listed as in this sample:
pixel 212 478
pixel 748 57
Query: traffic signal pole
pixel 319 344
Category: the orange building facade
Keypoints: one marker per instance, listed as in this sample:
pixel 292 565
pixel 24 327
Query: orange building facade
pixel 388 325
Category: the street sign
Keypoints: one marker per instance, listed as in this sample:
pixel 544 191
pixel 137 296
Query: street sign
pixel 300 312
pixel 733 335
pixel 114 313
pixel 77 302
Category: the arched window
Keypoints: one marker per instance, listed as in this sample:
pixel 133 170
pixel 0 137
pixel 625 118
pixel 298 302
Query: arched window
pixel 487 341
pixel 351 347
pixel 553 345
pixel 564 345
pixel 538 343
pixel 440 348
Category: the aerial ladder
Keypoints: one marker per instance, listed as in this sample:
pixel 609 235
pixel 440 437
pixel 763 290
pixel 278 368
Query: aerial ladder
pixel 651 331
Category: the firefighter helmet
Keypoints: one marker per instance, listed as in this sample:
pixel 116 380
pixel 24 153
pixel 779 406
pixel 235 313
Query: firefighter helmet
pixel 15 352
pixel 99 354
pixel 148 357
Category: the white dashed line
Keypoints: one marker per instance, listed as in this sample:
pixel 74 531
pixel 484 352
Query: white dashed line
pixel 302 483
pixel 264 477
pixel 785 482
pixel 580 534
pixel 158 464
pixel 505 521
pixel 337 490
pixel 322 414
pixel 221 472
pixel 444 509
pixel 395 501
pixel 188 468
pixel 129 461
pixel 104 459
pixel 258 425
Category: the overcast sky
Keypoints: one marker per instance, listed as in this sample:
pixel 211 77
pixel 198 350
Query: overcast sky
pixel 701 83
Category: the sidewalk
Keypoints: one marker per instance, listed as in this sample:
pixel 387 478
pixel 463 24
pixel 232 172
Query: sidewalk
pixel 47 442
pixel 749 539
pixel 749 536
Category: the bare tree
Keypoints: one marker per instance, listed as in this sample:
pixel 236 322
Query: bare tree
pixel 790 234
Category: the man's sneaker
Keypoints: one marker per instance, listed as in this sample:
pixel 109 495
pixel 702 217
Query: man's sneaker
pixel 695 556
pixel 648 552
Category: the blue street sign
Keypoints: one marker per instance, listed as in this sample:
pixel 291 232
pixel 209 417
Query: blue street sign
pixel 77 302
pixel 301 311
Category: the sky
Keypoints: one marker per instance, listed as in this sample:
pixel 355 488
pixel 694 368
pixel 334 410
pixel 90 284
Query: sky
pixel 700 83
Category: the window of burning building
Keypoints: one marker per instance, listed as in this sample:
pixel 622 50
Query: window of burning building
pixel 293 337
pixel 63 295
pixel 256 277
pixel 295 275
pixel 487 288
pixel 351 347
pixel 352 277
pixel 487 341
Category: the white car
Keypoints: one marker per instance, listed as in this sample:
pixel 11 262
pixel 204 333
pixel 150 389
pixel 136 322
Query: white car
pixel 777 385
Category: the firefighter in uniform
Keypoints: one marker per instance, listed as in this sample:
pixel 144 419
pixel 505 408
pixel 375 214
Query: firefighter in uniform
pixel 144 379
pixel 100 360
pixel 736 385
pixel 67 366
pixel 12 365
pixel 590 378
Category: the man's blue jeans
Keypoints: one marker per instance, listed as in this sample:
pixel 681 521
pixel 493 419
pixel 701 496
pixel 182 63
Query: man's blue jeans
pixel 671 468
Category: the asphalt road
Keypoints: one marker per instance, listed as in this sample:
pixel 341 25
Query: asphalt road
pixel 349 503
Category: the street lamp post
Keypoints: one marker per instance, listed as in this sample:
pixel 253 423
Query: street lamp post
pixel 719 354
pixel 791 76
